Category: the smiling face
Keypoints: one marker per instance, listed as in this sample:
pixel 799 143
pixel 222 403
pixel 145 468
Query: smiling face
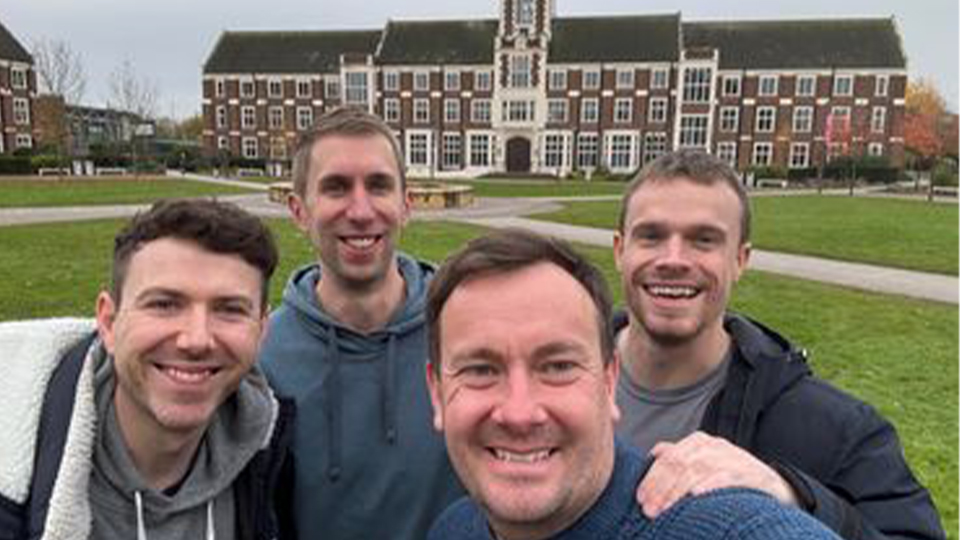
pixel 353 208
pixel 524 398
pixel 679 256
pixel 187 330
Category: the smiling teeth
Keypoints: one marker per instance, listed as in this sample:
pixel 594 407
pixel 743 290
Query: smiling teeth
pixel 527 457
pixel 361 242
pixel 188 376
pixel 672 291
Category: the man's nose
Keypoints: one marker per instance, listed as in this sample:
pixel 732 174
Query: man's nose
pixel 520 408
pixel 195 335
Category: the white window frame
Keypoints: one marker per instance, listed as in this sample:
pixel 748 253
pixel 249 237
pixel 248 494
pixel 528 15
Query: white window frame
pixel 483 81
pixel 304 117
pixel 558 110
pixel 591 105
pixel 654 145
pixel 806 86
pixel 591 76
pixel 693 130
pixel 331 88
pixel 588 150
pixel 248 117
pixel 23 140
pixel 696 84
pixel 421 111
pixel 250 148
pixel 657 114
pixel 418 148
pixel 275 117
pixel 480 145
pixel 557 79
pixel 451 151
pixel 766 121
pixel 881 87
pixel 518 111
pixel 451 81
pixel 878 119
pixel 843 85
pixel 731 85
pixel 521 71
pixel 481 111
pixel 555 150
pixel 223 143
pixel 278 148
pixel 802 121
pixel 221 117
pixel 623 110
pixel 421 81
pixel 391 110
pixel 451 110
pixel 620 150
pixel 727 152
pixel 391 80
pixel 767 154
pixel 219 88
pixel 625 79
pixel 729 119
pixel 304 88
pixel 799 155
pixel 248 88
pixel 526 13
pixel 659 78
pixel 274 88
pixel 875 149
pixel 356 88
pixel 768 85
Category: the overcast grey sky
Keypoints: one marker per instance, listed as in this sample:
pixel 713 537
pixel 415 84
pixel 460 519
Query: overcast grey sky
pixel 169 40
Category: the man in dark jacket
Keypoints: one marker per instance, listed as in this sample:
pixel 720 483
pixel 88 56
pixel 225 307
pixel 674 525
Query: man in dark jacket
pixel 150 421
pixel 721 401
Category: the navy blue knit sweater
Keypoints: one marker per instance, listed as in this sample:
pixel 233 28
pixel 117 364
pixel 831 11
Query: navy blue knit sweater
pixel 727 514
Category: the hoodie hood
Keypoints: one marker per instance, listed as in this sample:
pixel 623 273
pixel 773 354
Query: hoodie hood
pixel 241 427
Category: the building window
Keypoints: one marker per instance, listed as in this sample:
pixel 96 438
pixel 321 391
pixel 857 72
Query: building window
pixel 275 118
pixel 247 89
pixel 806 85
pixel 623 110
pixel 554 151
pixel 518 111
pixel 221 117
pixel 479 150
pixel 768 85
pixel 332 90
pixel 248 117
pixel 249 147
pixel 799 155
pixel 482 81
pixel 23 140
pixel 421 110
pixel 840 114
pixel 557 111
pixel 658 110
pixel 278 148
pixel 587 149
pixel 391 81
pixel 882 86
pixel 418 148
pixel 451 81
pixel 727 153
pixel 766 119
pixel 304 88
pixel 591 79
pixel 693 131
pixel 222 143
pixel 274 88
pixel 731 85
pixel 304 118
pixel 219 88
pixel 451 111
pixel 658 79
pixel 762 154
pixel 421 81
pixel 875 149
pixel 843 85
pixel 558 79
pixel 519 71
pixel 451 155
pixel 654 146
pixel 802 119
pixel 878 119
pixel 391 110
pixel 480 111
pixel 589 111
pixel 696 85
pixel 525 13
pixel 625 79
pixel 620 151
pixel 355 89
pixel 729 119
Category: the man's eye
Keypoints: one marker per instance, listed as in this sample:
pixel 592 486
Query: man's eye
pixel 161 304
pixel 560 371
pixel 478 375
pixel 333 188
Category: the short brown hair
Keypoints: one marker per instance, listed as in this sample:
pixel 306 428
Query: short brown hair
pixel 695 166
pixel 216 226
pixel 349 121
pixel 509 250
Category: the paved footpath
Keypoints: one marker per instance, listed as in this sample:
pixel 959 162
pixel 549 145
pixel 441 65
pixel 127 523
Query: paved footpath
pixel 499 213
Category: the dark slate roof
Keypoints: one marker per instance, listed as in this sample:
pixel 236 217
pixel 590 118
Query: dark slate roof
pixel 10 48
pixel 645 38
pixel 438 42
pixel 800 44
pixel 287 52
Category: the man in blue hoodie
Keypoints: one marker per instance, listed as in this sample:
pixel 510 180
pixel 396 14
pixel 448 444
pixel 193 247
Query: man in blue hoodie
pixel 349 344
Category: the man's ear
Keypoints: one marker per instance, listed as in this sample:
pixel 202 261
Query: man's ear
pixel 617 248
pixel 106 316
pixel 298 211
pixel 435 399
pixel 743 257
pixel 407 204
pixel 612 374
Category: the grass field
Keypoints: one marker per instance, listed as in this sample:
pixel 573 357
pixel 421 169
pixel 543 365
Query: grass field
pixel 896 353
pixel 541 188
pixel 889 232
pixel 47 192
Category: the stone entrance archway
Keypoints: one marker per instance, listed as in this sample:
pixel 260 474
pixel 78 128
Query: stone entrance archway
pixel 518 155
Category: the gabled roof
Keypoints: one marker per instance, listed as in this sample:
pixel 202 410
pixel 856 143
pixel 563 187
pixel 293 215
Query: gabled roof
pixel 438 42
pixel 287 52
pixel 11 49
pixel 645 38
pixel 800 44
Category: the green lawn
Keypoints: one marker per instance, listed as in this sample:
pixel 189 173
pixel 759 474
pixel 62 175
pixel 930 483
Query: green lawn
pixel 128 190
pixel 898 354
pixel 539 188
pixel 889 232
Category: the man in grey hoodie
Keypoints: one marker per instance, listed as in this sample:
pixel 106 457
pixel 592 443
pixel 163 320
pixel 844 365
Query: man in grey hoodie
pixel 151 421
pixel 349 344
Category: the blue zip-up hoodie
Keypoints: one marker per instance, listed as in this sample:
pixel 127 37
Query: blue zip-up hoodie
pixel 368 463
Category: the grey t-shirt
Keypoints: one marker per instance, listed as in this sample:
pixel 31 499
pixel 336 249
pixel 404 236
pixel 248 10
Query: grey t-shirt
pixel 651 416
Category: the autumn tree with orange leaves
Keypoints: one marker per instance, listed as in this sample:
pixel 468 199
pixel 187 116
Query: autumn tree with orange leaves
pixel 923 120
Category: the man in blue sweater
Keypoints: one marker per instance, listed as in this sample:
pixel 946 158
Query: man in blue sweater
pixel 523 379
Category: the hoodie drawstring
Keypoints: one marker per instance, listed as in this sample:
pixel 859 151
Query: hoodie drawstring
pixel 388 408
pixel 334 407
pixel 141 524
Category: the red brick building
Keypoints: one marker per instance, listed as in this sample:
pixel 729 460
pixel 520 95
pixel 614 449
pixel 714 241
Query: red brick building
pixel 18 87
pixel 534 92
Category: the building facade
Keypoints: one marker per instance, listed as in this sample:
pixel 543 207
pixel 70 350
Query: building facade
pixel 531 92
pixel 18 86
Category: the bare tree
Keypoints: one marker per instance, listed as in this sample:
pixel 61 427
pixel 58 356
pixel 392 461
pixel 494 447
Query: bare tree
pixel 61 76
pixel 131 93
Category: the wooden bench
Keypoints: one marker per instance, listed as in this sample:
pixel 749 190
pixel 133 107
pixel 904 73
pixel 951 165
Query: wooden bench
pixel 103 171
pixel 771 183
